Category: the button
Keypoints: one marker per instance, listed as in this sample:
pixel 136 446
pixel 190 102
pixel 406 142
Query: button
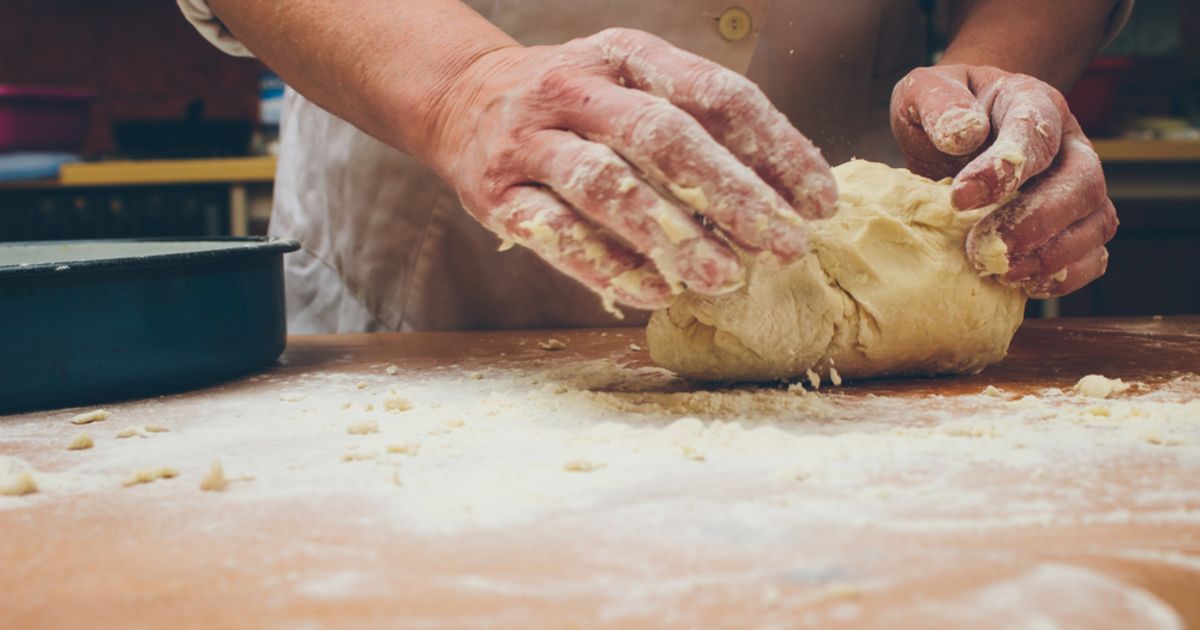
pixel 734 24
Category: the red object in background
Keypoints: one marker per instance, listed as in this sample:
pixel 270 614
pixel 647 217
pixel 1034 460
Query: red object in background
pixel 36 118
pixel 1093 97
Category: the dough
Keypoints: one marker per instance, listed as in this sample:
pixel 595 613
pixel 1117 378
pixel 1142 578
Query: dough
pixel 887 290
pixel 16 478
pixel 89 417
pixel 1098 386
pixel 215 480
pixel 149 475
pixel 82 442
pixel 363 428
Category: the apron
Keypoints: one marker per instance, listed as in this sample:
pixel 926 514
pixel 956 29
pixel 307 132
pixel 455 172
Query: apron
pixel 386 245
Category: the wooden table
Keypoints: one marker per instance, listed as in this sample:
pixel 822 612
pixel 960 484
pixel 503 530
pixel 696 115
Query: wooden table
pixel 920 503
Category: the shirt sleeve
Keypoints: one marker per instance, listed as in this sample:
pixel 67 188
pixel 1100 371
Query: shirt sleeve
pixel 202 17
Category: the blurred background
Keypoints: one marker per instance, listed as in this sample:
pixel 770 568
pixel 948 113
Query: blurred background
pixel 117 120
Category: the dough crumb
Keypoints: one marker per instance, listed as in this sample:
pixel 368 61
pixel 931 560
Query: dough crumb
pixel 16 478
pixel 992 391
pixel 1153 437
pixel 410 448
pixel 551 345
pixel 90 417
pixel 129 432
pixel 454 423
pixel 149 475
pixel 392 370
pixel 358 457
pixel 1097 386
pixel 396 403
pixel 582 465
pixel 477 376
pixel 82 442
pixel 361 385
pixel 814 379
pixel 634 347
pixel 347 405
pixel 834 377
pixel 363 428
pixel 797 388
pixel 154 428
pixel 215 480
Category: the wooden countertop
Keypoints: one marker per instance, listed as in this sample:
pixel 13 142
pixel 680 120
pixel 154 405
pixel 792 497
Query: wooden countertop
pixel 918 502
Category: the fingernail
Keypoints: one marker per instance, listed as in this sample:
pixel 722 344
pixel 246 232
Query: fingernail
pixel 959 131
pixel 970 194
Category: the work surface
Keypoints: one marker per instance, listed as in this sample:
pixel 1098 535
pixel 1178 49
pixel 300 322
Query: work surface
pixel 515 483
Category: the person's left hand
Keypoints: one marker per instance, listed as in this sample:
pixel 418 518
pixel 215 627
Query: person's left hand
pixel 1049 239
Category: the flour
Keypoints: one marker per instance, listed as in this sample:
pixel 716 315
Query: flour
pixel 490 452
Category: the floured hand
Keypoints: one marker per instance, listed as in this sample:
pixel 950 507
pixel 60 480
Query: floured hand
pixel 601 153
pixel 1049 239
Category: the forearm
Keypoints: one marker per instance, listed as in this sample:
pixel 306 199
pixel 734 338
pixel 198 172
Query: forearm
pixel 1053 41
pixel 384 66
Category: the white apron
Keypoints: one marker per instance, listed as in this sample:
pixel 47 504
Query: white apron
pixel 386 245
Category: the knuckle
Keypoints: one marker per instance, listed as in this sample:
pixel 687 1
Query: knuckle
pixel 621 38
pixel 559 84
pixel 720 88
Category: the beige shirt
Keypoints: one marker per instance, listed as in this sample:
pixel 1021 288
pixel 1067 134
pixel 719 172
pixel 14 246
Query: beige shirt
pixel 385 243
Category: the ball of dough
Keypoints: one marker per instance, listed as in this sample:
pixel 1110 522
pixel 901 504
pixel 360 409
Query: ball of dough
pixel 886 290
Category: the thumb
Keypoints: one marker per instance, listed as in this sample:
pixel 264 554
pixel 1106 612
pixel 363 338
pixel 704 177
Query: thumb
pixel 940 102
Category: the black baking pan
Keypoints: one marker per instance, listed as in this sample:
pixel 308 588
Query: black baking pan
pixel 83 322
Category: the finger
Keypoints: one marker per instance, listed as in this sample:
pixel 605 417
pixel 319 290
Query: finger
pixel 1071 278
pixel 940 104
pixel 674 151
pixel 1070 190
pixel 602 186
pixel 538 219
pixel 734 112
pixel 1029 129
pixel 1070 245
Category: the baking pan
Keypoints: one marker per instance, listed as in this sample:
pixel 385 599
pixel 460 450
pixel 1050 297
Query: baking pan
pixel 82 322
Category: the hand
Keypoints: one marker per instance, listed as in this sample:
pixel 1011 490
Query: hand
pixel 601 154
pixel 1050 238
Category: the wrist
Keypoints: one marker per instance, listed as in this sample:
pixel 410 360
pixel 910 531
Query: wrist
pixel 451 107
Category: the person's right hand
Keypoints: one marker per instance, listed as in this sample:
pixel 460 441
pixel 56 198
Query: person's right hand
pixel 610 156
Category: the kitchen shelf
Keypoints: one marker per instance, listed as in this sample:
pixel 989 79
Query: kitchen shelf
pixel 1147 150
pixel 160 172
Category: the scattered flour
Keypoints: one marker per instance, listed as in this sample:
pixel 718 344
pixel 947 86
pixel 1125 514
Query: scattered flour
pixel 632 453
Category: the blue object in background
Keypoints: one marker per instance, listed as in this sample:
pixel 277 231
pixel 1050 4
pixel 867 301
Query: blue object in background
pixel 34 165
